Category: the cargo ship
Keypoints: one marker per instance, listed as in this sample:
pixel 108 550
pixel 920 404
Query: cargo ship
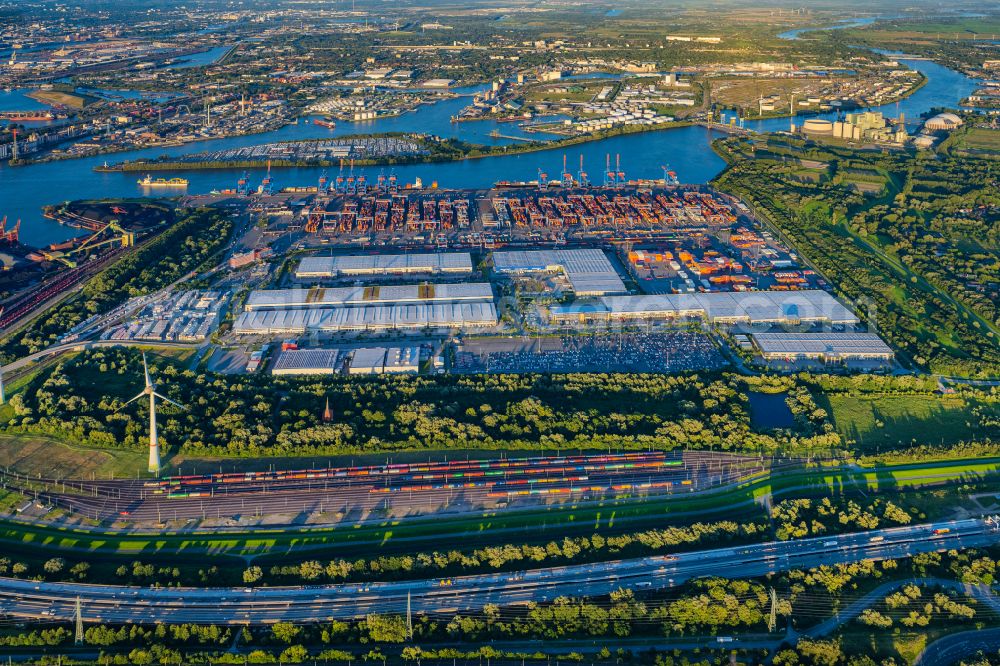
pixel 149 181
pixel 325 122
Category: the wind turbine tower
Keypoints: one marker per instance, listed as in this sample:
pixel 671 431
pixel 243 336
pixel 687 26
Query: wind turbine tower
pixel 154 442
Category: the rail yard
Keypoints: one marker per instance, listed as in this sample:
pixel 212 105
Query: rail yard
pixel 334 494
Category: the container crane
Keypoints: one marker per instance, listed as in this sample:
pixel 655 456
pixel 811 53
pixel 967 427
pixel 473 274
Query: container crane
pixel 340 178
pixel 581 176
pixel 350 180
pixel 321 186
pixel 243 184
pixel 266 185
pixel 543 179
pixel 12 235
pixel 610 177
pixel 567 177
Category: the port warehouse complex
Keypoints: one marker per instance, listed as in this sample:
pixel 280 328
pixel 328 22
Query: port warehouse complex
pixel 566 260
pixel 599 295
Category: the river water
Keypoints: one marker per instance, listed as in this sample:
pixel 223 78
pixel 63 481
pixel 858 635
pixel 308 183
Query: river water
pixel 24 190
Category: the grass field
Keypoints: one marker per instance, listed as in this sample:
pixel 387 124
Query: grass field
pixel 889 421
pixel 979 141
pixel 40 456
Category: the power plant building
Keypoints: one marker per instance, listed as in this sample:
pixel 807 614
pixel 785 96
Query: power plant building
pixel 588 271
pixel 862 126
pixel 376 265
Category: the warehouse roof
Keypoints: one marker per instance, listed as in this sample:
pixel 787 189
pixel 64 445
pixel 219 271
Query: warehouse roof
pixel 588 270
pixel 833 344
pixel 746 306
pixel 451 262
pixel 292 360
pixel 270 299
pixel 370 358
pixel 367 316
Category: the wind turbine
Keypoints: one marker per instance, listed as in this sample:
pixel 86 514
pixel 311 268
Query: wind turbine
pixel 154 442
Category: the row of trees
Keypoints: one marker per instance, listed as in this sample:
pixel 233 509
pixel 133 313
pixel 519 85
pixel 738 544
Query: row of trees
pixel 252 415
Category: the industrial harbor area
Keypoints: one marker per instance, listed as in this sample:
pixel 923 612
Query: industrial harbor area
pixel 499 334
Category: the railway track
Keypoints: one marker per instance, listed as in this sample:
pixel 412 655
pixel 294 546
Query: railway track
pixel 415 489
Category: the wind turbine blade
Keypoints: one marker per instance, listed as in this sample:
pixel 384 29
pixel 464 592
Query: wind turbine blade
pixel 141 395
pixel 166 399
pixel 145 369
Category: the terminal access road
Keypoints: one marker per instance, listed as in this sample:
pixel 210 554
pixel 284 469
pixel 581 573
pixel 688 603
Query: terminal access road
pixel 123 604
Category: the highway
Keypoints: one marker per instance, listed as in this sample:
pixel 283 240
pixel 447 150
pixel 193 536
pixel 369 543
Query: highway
pixel 120 604
pixel 956 647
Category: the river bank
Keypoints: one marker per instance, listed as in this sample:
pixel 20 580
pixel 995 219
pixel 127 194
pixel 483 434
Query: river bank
pixel 686 150
pixel 460 151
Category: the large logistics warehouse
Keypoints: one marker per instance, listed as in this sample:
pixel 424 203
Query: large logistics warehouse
pixel 367 318
pixel 318 297
pixel 377 265
pixel 827 347
pixel 588 271
pixel 748 307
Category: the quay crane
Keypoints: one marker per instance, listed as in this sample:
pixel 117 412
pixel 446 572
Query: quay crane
pixel 669 177
pixel 351 189
pixel 340 178
pixel 567 177
pixel 620 175
pixel 243 184
pixel 322 185
pixel 543 179
pixel 266 185
pixel 610 177
pixel 582 175
pixel 11 236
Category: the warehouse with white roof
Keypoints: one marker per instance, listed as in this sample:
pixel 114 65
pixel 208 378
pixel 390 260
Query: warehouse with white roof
pixel 375 265
pixel 588 271
pixel 367 318
pixel 317 297
pixel 749 307
pixel 827 347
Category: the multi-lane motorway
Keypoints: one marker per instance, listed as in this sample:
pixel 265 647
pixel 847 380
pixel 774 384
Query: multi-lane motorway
pixel 108 603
